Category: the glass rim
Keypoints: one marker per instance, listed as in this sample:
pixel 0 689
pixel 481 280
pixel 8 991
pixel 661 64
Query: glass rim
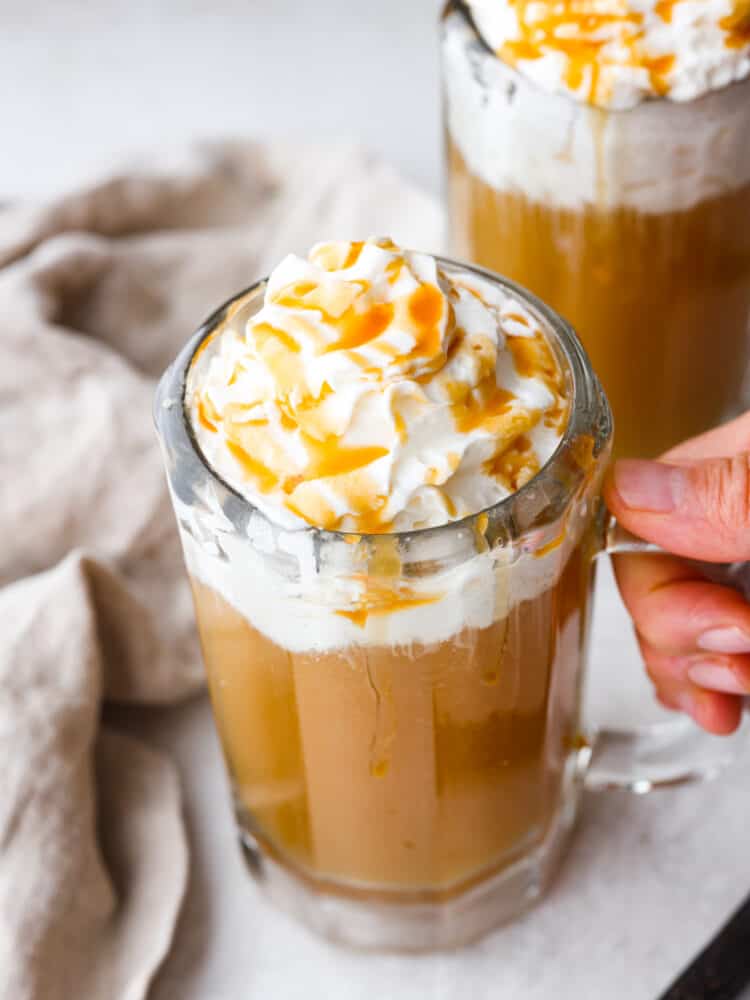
pixel 462 9
pixel 588 407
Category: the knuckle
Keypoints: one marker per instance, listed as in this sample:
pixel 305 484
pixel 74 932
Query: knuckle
pixel 723 487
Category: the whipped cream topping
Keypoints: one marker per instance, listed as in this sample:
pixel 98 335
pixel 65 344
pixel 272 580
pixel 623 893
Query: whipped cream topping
pixel 374 391
pixel 615 53
pixel 518 137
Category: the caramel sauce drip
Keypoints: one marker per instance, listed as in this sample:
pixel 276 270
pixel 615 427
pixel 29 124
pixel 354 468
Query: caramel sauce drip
pixel 480 533
pixel 382 600
pixel 737 25
pixel 449 505
pixel 205 343
pixel 207 415
pixel 665 9
pixel 263 332
pixel 659 69
pixel 329 458
pixel 533 359
pixel 358 322
pixel 582 452
pixel 317 514
pixel 425 310
pixel 399 424
pixel 335 256
pixel 426 307
pixel 485 405
pixel 262 476
pixel 517 465
pixel 358 329
pixel 553 544
pixel 370 517
pixel 582 31
pixel 382 588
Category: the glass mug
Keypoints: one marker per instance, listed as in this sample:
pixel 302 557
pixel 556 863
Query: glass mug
pixel 633 224
pixel 401 714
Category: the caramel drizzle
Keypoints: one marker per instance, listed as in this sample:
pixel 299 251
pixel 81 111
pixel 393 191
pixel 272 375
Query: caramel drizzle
pixel 261 475
pixel 737 25
pixel 205 407
pixel 517 465
pixel 382 587
pixel 584 30
pixel 357 322
pixel 379 599
pixel 665 9
pixel 553 544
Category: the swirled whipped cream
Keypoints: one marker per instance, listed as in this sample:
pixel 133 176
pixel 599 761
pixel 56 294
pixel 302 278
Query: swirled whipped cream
pixel 615 53
pixel 376 390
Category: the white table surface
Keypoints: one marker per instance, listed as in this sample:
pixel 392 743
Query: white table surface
pixel 648 879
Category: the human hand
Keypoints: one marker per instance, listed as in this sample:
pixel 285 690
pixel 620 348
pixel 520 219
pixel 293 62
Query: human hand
pixel 694 635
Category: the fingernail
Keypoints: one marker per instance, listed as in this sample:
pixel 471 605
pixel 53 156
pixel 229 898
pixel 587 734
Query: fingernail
pixel 711 675
pixel 725 640
pixel 649 486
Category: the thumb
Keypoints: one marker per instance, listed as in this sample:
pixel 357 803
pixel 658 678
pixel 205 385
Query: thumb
pixel 699 509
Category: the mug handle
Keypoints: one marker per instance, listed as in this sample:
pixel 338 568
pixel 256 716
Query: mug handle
pixel 664 753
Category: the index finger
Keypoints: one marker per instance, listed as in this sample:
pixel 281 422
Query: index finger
pixel 677 610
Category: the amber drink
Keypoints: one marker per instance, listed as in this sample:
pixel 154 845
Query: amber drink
pixel 601 158
pixel 402 766
pixel 386 472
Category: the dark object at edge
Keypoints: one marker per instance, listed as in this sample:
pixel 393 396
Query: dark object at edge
pixel 722 970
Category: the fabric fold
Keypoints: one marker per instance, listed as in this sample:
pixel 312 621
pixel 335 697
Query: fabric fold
pixel 98 290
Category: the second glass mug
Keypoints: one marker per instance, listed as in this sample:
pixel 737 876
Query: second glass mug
pixel 401 714
pixel 634 224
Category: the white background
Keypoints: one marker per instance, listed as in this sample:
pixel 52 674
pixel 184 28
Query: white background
pixel 82 80
pixel 81 83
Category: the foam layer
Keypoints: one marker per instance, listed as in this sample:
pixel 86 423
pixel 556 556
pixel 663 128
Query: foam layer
pixel 277 581
pixel 615 53
pixel 377 391
pixel 517 136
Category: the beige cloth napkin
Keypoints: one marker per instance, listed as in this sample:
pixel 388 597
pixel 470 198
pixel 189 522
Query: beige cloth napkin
pixel 98 290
